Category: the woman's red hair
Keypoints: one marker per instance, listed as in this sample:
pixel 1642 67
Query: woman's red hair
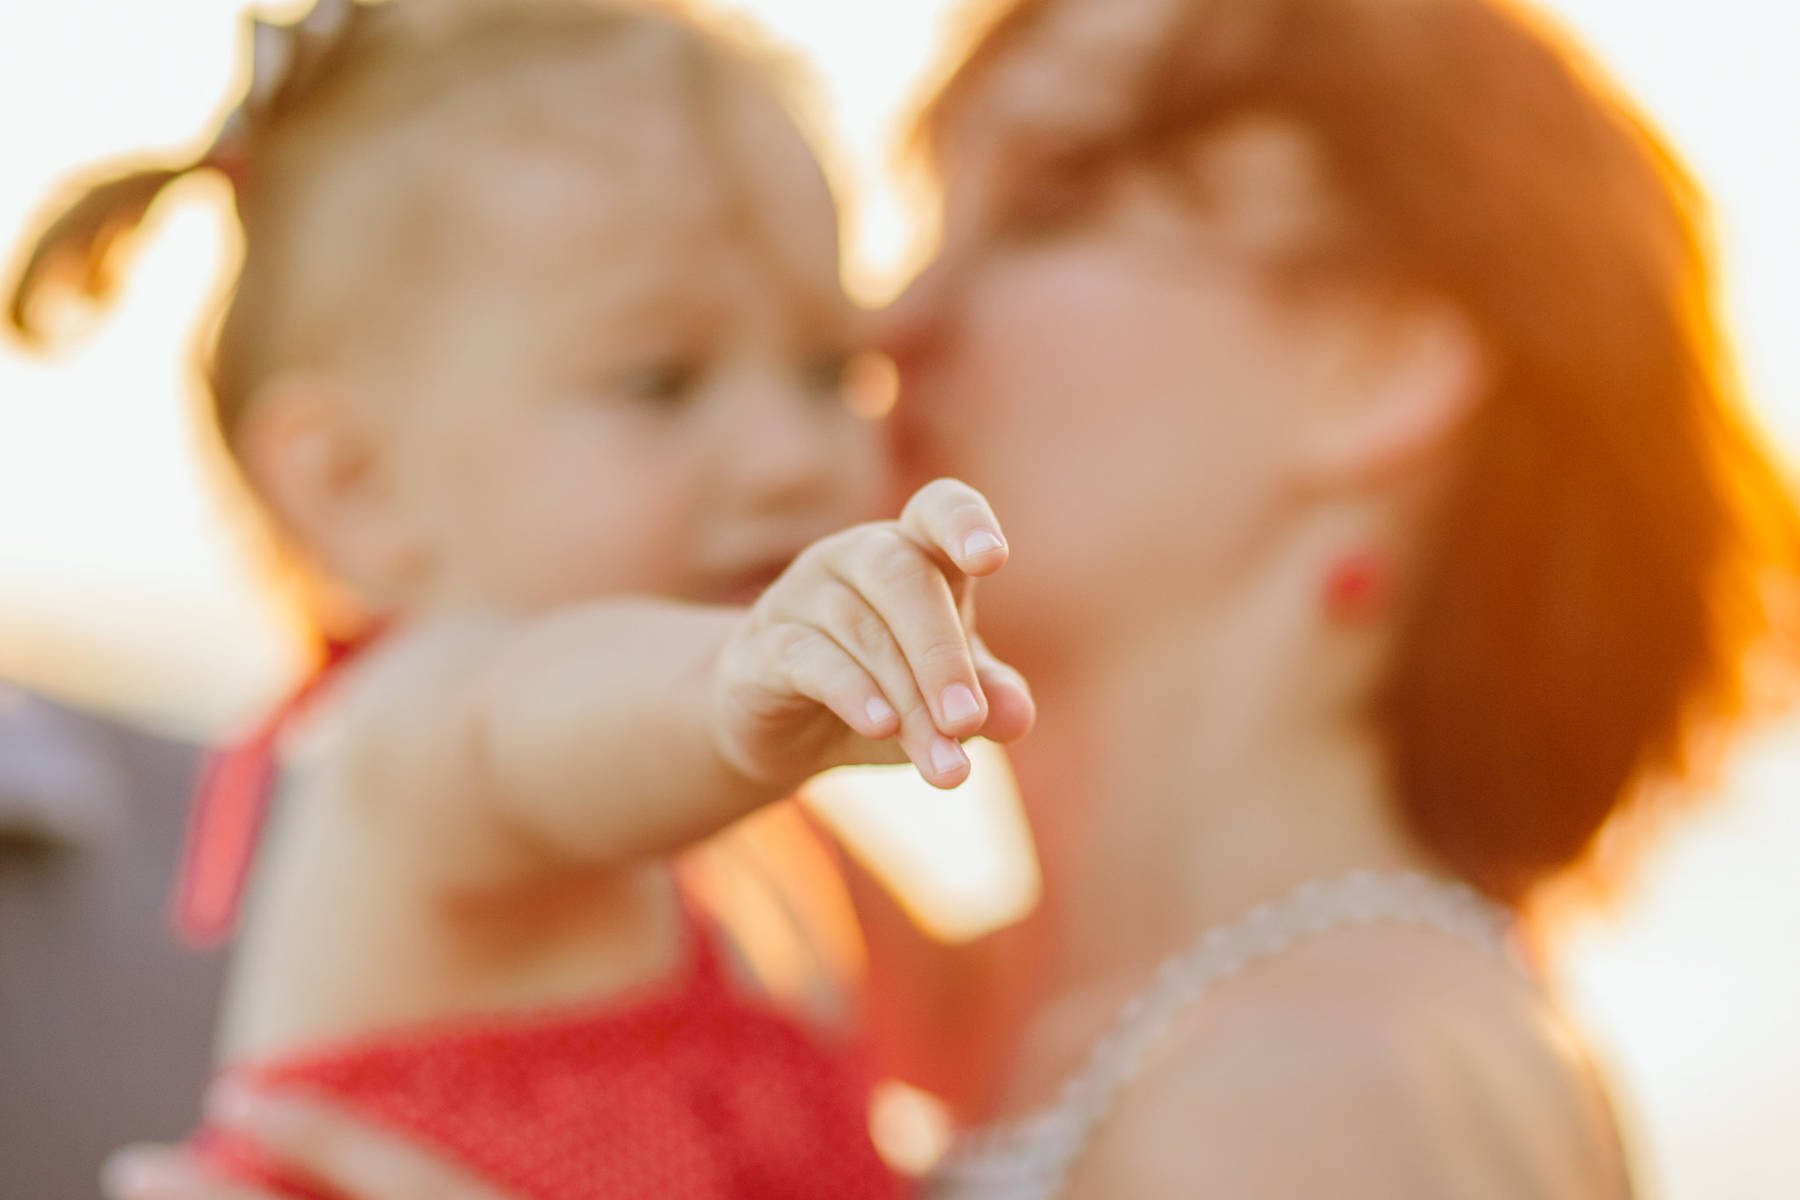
pixel 1617 543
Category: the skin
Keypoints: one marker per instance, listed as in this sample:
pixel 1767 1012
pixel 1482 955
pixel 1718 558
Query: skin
pixel 1205 741
pixel 608 391
pixel 1183 450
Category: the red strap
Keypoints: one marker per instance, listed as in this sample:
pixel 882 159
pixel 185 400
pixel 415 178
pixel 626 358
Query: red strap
pixel 702 946
pixel 229 808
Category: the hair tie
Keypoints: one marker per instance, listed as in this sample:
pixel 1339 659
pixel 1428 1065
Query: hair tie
pixel 281 57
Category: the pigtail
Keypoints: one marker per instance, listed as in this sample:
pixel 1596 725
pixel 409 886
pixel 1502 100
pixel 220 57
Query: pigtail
pixel 78 254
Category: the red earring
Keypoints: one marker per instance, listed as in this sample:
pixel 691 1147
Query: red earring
pixel 1357 587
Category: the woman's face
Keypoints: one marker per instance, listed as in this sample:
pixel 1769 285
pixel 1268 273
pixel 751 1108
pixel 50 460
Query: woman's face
pixel 1122 376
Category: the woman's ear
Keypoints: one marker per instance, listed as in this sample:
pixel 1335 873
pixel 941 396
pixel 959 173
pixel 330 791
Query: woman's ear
pixel 317 458
pixel 1416 375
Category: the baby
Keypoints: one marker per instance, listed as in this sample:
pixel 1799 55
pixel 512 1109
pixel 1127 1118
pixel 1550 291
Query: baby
pixel 537 355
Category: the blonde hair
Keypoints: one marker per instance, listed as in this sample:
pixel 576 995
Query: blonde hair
pixel 338 90
pixel 323 93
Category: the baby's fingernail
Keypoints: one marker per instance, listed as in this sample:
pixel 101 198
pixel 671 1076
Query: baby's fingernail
pixel 959 703
pixel 947 757
pixel 980 542
pixel 879 711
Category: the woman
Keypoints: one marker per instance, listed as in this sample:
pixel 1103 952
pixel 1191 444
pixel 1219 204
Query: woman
pixel 1345 373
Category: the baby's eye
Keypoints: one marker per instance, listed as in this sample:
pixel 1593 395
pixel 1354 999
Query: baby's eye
pixel 668 382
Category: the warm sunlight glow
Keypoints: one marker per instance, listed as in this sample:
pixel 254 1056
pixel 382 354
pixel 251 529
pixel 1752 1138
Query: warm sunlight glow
pixel 961 860
pixel 127 578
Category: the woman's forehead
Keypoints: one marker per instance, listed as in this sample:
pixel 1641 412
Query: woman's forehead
pixel 1061 100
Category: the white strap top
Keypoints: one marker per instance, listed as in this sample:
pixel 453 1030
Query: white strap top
pixel 1031 1157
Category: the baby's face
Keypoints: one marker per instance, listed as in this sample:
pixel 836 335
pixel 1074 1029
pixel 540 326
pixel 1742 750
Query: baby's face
pixel 631 381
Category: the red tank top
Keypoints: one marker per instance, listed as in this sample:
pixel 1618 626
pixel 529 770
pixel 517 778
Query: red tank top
pixel 685 1090
pixel 690 1092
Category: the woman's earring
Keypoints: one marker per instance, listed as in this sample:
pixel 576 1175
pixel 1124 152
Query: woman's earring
pixel 1358 587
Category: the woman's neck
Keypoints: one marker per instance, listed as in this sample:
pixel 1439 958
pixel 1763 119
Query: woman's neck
pixel 1174 782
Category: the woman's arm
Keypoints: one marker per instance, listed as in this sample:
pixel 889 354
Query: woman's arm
pixel 942 1017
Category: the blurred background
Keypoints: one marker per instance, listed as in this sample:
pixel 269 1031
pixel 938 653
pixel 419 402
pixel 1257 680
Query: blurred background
pixel 127 580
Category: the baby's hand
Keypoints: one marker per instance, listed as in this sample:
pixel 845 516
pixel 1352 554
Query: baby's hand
pixel 868 640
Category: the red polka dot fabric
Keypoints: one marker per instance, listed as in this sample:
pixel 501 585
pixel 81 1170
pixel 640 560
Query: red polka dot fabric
pixel 696 1093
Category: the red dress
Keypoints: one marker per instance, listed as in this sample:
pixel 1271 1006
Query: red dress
pixel 685 1090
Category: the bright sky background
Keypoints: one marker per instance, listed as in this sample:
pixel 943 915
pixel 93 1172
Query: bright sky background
pixel 118 580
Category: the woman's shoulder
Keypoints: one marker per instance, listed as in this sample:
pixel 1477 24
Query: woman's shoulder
pixel 1378 1062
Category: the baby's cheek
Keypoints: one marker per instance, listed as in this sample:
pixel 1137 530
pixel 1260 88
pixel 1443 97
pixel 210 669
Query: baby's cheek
pixel 596 543
pixel 639 554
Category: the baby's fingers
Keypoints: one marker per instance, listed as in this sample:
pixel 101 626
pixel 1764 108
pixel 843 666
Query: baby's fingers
pixel 953 521
pixel 909 599
pixel 816 667
pixel 861 638
pixel 1011 710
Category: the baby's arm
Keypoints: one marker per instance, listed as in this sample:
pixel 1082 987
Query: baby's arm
pixel 617 731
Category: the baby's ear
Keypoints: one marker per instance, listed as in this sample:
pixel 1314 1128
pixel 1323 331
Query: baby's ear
pixel 317 458
pixel 1418 374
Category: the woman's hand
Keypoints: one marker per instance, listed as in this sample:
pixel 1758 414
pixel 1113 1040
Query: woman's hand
pixel 317 1141
pixel 864 651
